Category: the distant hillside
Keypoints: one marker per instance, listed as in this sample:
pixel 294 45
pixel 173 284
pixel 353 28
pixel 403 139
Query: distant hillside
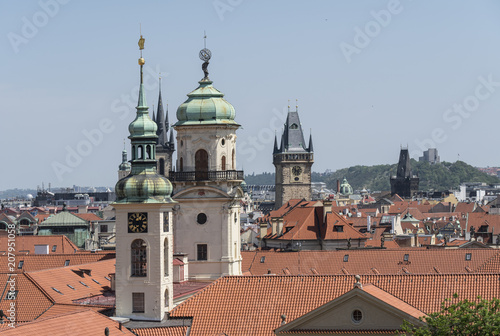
pixel 16 193
pixel 442 176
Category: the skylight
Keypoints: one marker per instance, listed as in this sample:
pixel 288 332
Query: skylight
pixel 406 257
pixel 73 288
pixel 468 256
pixel 97 282
pixel 55 289
pixel 346 258
pixel 262 259
pixel 84 284
pixel 21 263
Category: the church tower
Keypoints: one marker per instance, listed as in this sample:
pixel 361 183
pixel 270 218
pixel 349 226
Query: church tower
pixel 124 168
pixel 165 146
pixel 293 161
pixel 207 185
pixel 405 184
pixel 144 240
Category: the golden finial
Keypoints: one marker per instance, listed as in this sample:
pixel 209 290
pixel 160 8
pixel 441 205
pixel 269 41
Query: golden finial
pixel 141 46
pixel 288 105
pixel 296 104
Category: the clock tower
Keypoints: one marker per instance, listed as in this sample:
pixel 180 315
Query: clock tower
pixel 144 240
pixel 293 161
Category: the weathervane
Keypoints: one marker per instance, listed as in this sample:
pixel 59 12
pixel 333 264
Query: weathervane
pixel 205 55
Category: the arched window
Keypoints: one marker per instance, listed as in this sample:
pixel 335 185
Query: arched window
pixel 139 258
pixel 134 154
pixel 201 165
pixel 294 126
pixel 140 154
pixel 223 162
pixel 148 152
pixel 233 161
pixel 166 260
pixel 181 164
pixel 162 166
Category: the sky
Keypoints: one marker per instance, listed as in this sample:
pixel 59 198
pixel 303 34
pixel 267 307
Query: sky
pixel 368 76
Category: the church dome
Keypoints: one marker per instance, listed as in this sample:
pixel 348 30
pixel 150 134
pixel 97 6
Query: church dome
pixel 205 105
pixel 142 126
pixel 345 188
pixel 146 187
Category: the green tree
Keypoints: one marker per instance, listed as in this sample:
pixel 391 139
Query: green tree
pixel 480 317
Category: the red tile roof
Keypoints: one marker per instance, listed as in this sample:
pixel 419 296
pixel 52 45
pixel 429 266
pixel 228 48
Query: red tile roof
pixel 27 243
pixel 253 305
pixel 162 331
pixel 78 323
pixel 35 262
pixel 89 217
pixel 369 261
pixel 344 231
pixel 73 283
pixel 464 207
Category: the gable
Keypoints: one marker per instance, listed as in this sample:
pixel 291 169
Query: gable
pixel 200 193
pixel 356 310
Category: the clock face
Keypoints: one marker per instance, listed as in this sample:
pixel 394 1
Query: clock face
pixel 296 170
pixel 137 222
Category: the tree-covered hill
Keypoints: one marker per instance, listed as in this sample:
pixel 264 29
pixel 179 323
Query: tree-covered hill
pixel 441 176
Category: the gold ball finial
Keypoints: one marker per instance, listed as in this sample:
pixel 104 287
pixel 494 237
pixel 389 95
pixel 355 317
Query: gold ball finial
pixel 142 61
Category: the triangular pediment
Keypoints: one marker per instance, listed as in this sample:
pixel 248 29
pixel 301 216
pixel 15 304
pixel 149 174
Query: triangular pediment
pixel 356 310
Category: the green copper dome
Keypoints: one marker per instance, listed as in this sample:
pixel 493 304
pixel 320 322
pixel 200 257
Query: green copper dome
pixel 142 126
pixel 205 105
pixel 345 188
pixel 145 187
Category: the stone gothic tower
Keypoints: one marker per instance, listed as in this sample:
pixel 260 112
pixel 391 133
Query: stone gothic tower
pixel 207 185
pixel 405 184
pixel 165 146
pixel 144 240
pixel 293 161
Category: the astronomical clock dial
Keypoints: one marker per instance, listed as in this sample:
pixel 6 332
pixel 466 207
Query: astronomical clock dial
pixel 296 170
pixel 137 222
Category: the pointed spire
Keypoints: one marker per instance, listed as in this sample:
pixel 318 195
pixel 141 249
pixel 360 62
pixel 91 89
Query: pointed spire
pixel 310 149
pixel 275 150
pixel 171 140
pixel 283 148
pixel 160 119
pixel 167 125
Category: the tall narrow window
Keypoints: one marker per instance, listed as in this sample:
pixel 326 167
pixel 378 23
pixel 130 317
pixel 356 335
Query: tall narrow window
pixel 137 302
pixel 233 161
pixel 166 260
pixel 202 252
pixel 201 165
pixel 181 164
pixel 223 162
pixel 166 297
pixel 148 152
pixel 140 153
pixel 134 154
pixel 162 166
pixel 139 258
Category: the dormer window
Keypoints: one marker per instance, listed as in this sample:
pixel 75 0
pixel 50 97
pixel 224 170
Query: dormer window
pixel 406 257
pixel 338 228
pixel 346 258
pixel 294 126
pixel 468 256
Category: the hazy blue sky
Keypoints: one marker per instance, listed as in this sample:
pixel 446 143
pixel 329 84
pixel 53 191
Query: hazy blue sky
pixel 369 76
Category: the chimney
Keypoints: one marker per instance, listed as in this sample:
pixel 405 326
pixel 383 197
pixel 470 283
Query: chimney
pixel 280 226
pixel 274 226
pixel 263 230
pixel 83 208
pixel 368 223
pixel 327 207
pixel 338 186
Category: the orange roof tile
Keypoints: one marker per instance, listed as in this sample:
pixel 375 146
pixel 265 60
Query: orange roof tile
pixel 89 217
pixel 362 261
pixel 35 262
pixel 70 284
pixel 465 207
pixel 31 301
pixel 336 227
pixel 253 305
pixel 75 324
pixel 162 331
pixel 27 243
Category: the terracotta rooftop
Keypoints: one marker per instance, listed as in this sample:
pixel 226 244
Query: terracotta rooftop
pixel 253 305
pixel 69 284
pixel 168 331
pixel 81 323
pixel 89 217
pixel 371 261
pixel 26 244
pixel 36 262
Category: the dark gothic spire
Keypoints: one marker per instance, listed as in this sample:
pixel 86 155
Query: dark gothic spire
pixel 160 120
pixel 404 168
pixel 310 149
pixel 282 147
pixel 275 150
pixel 293 136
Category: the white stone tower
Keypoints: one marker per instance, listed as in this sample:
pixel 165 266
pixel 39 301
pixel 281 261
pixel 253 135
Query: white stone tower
pixel 144 239
pixel 206 182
